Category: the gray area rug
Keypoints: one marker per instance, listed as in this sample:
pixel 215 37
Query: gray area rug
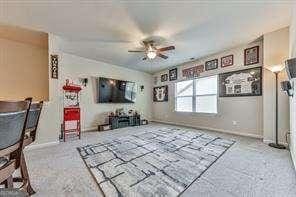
pixel 161 162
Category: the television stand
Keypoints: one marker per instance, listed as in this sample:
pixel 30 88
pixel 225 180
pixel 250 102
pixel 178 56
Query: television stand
pixel 124 121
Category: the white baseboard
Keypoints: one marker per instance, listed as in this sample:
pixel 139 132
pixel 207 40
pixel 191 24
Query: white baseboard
pixel 271 141
pixel 293 155
pixel 42 145
pixel 212 129
pixel 90 129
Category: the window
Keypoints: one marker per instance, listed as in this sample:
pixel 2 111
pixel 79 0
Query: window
pixel 184 99
pixel 198 95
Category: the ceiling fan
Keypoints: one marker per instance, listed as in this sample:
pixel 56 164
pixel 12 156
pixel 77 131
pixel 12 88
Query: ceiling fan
pixel 151 51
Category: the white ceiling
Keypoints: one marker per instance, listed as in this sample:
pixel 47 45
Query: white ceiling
pixel 106 30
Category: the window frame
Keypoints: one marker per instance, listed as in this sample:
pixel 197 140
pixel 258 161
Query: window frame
pixel 194 97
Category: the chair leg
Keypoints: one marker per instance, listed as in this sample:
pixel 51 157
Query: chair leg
pixel 9 182
pixel 64 132
pixel 25 175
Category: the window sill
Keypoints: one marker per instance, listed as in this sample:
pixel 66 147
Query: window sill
pixel 198 113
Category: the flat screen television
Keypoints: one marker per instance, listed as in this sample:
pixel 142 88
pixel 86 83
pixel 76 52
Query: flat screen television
pixel 115 91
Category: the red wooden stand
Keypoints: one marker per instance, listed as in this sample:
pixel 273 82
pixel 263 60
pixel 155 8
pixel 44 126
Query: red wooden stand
pixel 71 110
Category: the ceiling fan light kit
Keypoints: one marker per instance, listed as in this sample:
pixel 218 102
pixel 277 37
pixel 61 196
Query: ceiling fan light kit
pixel 151 51
pixel 151 54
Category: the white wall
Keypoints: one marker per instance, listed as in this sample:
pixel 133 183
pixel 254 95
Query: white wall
pixel 74 67
pixel 293 99
pixel 246 111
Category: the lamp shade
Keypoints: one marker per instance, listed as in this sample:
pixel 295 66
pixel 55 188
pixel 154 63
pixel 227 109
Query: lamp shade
pixel 276 68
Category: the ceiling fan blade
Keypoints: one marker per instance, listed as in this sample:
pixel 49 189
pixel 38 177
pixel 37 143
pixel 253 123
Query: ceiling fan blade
pixel 166 48
pixel 162 56
pixel 144 58
pixel 136 51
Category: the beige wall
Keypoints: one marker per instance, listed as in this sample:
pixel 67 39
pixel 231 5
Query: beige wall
pixel 276 51
pixel 23 64
pixel 49 125
pixel 246 111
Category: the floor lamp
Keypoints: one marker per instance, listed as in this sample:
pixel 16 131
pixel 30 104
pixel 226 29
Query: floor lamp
pixel 276 70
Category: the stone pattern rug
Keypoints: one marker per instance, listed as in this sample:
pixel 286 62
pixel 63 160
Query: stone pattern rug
pixel 161 162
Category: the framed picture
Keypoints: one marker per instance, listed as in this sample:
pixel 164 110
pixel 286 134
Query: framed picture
pixel 246 82
pixel 226 61
pixel 173 74
pixel 164 77
pixel 54 61
pixel 251 56
pixel 211 65
pixel 193 72
pixel 160 94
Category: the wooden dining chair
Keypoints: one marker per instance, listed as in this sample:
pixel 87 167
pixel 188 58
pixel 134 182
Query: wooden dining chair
pixel 30 136
pixel 13 118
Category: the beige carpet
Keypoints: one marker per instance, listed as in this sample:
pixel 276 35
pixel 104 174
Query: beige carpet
pixel 249 168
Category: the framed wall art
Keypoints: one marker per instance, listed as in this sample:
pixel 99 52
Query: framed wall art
pixel 192 72
pixel 211 65
pixel 226 61
pixel 251 56
pixel 160 94
pixel 246 82
pixel 173 74
pixel 164 77
pixel 54 61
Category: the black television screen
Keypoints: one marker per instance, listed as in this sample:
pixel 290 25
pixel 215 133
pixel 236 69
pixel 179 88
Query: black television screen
pixel 115 91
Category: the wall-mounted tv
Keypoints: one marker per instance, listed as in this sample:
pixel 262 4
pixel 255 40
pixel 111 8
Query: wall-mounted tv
pixel 115 91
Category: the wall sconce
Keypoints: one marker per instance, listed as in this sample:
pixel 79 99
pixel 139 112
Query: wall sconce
pixel 83 81
pixel 141 88
pixel 286 86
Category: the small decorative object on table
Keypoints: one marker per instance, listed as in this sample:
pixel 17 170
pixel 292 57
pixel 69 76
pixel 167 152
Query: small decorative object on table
pixel 130 112
pixel 211 65
pixel 144 122
pixel 119 112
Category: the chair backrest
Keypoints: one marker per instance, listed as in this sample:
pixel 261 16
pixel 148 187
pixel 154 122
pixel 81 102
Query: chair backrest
pixel 13 116
pixel 33 118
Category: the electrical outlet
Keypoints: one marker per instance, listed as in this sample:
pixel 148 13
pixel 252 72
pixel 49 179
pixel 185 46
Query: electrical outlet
pixel 234 122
